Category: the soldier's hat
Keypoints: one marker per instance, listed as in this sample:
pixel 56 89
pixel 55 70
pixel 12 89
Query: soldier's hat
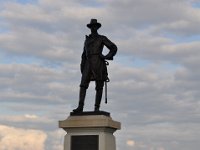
pixel 93 22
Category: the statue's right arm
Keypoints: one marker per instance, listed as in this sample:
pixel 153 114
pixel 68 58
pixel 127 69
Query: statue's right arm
pixel 83 57
pixel 83 60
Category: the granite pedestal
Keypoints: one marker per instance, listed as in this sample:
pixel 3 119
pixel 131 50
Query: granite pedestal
pixel 89 131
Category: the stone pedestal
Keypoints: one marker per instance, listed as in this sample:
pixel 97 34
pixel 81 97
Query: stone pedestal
pixel 89 131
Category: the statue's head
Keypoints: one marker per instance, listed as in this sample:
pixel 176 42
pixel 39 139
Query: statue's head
pixel 94 24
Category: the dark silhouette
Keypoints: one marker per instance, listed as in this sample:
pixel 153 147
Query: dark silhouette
pixel 93 64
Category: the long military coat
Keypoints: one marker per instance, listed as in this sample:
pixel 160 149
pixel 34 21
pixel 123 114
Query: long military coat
pixel 93 65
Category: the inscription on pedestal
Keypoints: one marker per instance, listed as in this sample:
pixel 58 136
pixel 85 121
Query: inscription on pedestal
pixel 85 142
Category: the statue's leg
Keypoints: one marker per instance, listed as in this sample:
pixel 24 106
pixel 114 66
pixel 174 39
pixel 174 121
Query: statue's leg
pixel 82 94
pixel 99 92
pixel 83 88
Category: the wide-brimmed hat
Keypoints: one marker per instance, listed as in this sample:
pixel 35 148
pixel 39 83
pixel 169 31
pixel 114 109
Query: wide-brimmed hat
pixel 93 22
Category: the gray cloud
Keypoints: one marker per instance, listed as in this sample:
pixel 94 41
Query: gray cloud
pixel 39 84
pixel 166 15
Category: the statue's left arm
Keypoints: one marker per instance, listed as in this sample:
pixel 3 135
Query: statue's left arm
pixel 111 46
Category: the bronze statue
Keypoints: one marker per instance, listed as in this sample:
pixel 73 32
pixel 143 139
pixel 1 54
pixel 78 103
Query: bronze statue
pixel 93 64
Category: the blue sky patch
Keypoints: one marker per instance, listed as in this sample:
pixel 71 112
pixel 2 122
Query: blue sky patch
pixel 26 1
pixel 5 59
pixel 133 62
pixel 196 4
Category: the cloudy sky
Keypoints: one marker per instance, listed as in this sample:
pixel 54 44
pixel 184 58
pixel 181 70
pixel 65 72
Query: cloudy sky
pixel 155 76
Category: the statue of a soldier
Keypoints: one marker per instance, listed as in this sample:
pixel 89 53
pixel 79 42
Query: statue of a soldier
pixel 93 64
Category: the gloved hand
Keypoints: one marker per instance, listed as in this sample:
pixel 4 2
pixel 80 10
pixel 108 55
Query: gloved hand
pixel 106 57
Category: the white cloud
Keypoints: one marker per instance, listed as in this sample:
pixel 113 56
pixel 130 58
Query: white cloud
pixel 25 118
pixel 31 116
pixel 130 143
pixel 55 139
pixel 15 138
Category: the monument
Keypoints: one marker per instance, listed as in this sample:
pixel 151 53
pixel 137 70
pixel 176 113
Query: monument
pixel 92 130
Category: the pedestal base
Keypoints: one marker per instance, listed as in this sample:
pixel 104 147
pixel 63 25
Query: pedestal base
pixel 89 132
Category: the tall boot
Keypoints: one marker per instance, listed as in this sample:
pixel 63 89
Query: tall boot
pixel 82 94
pixel 98 99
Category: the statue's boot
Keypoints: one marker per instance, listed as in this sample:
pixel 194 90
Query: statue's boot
pixel 82 94
pixel 98 99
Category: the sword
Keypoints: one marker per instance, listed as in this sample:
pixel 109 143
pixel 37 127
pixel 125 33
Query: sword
pixel 106 87
pixel 106 96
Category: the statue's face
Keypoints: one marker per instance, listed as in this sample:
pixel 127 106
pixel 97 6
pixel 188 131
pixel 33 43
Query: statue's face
pixel 94 28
